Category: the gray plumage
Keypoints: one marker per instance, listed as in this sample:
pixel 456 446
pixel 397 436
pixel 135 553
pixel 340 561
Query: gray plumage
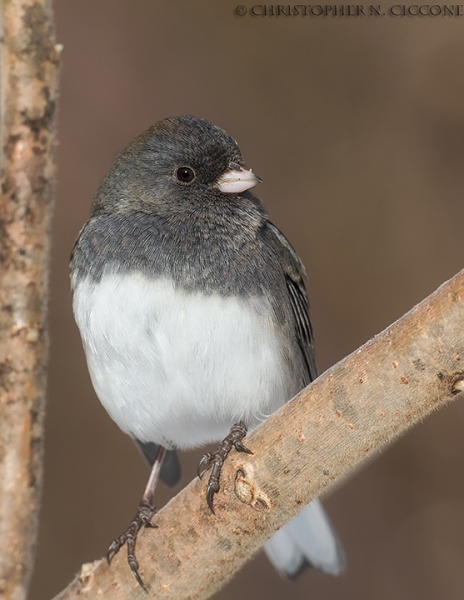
pixel 154 242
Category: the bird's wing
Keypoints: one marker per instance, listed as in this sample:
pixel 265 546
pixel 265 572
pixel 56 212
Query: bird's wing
pixel 294 277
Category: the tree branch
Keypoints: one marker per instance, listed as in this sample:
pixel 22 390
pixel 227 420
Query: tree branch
pixel 412 368
pixel 29 68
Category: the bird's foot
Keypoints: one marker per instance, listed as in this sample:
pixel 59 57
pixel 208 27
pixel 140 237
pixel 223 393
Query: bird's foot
pixel 143 518
pixel 215 460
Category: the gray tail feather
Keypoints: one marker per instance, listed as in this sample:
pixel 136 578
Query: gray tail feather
pixel 308 540
pixel 171 471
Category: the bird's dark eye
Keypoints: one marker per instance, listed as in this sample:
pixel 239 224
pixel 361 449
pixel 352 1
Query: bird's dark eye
pixel 185 174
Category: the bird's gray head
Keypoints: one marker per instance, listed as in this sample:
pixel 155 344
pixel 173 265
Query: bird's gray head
pixel 177 159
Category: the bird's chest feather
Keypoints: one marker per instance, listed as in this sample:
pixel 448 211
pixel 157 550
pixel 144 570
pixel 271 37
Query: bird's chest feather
pixel 180 368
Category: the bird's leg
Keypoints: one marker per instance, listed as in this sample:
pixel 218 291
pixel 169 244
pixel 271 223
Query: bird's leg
pixel 143 518
pixel 215 460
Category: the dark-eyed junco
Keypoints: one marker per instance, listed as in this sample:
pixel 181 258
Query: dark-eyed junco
pixel 194 316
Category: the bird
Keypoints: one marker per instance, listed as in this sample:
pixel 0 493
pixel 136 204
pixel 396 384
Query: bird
pixel 194 318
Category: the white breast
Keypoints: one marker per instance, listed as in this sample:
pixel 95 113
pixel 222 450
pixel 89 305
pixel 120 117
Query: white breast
pixel 179 368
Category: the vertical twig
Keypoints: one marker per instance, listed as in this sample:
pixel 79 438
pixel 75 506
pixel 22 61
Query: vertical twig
pixel 29 73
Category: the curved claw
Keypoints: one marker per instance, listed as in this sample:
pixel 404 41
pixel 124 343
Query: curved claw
pixel 113 549
pixel 242 448
pixel 134 565
pixel 204 464
pixel 212 489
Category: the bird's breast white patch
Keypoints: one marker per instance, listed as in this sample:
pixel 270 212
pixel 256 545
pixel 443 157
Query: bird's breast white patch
pixel 179 368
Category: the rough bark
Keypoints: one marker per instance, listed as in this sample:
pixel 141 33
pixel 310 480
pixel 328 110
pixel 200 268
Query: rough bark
pixel 413 367
pixel 29 66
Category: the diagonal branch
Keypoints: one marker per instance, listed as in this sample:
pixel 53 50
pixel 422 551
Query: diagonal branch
pixel 412 368
pixel 29 68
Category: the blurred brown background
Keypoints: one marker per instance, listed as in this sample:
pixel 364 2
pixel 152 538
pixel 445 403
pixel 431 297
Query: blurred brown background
pixel 356 127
